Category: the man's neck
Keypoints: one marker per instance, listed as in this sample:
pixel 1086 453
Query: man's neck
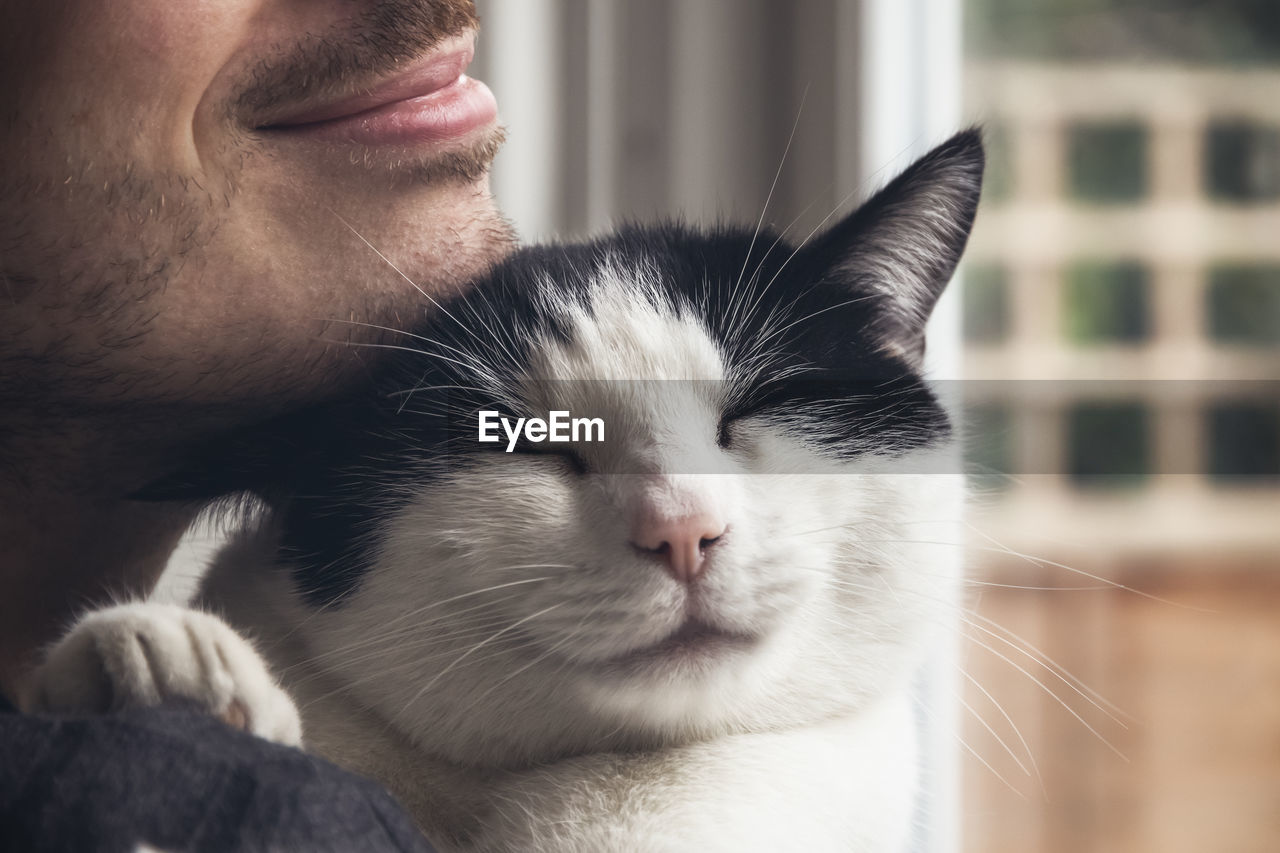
pixel 65 548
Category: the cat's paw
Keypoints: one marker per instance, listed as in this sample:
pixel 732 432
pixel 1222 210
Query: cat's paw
pixel 143 654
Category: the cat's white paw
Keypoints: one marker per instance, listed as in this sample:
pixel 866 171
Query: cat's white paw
pixel 139 655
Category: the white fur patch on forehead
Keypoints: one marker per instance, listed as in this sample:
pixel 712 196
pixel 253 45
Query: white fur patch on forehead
pixel 626 327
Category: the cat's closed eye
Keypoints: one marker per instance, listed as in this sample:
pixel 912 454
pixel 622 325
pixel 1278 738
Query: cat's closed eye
pixel 724 432
pixel 571 458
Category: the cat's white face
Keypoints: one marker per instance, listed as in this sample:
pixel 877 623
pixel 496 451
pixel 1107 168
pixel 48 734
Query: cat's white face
pixel 530 605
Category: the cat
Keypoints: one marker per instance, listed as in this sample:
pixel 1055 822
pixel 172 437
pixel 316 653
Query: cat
pixel 697 633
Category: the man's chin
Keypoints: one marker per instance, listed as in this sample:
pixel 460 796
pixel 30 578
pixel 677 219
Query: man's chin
pixel 467 163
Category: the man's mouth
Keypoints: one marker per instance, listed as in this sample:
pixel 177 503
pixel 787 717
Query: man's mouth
pixel 430 100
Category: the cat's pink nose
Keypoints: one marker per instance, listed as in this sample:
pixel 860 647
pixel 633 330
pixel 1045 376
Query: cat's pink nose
pixel 681 543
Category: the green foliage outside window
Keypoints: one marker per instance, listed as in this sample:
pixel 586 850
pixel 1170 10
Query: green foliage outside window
pixel 1243 304
pixel 1107 302
pixel 1209 32
pixel 1107 162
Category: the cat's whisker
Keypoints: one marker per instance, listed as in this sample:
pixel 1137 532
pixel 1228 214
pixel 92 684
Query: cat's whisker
pixel 1041 562
pixel 373 648
pixel 1059 669
pixel 412 666
pixel 405 333
pixel 772 188
pixel 530 566
pixel 1027 650
pixel 800 247
pixel 470 360
pixel 855 301
pixel 1026 748
pixel 967 581
pixel 421 352
pixel 982 722
pixel 384 258
pixel 435 302
pixel 476 648
pixel 973 752
pixel 418 625
pixel 471 594
pixel 498 336
pixel 998 548
pixel 994 584
pixel 418 388
pixel 539 659
pixel 393 669
pixel 876 524
pixel 418 644
pixel 1067 707
pixel 506 650
pixel 782 235
pixel 446 648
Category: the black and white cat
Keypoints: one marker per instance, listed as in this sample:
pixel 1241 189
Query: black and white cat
pixel 696 634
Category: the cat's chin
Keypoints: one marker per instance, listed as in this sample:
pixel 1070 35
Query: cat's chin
pixel 695 644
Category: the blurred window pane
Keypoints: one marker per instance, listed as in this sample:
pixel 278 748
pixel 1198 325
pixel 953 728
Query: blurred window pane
pixel 1242 162
pixel 1244 441
pixel 1084 32
pixel 1243 304
pixel 1145 130
pixel 1107 162
pixel 1107 302
pixel 986 304
pixel 988 444
pixel 1108 444
pixel 997 181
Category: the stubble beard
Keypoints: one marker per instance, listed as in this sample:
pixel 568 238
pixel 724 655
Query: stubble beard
pixel 87 253
pixel 77 368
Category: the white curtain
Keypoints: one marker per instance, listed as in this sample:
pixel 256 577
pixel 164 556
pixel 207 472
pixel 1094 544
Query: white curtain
pixel 632 109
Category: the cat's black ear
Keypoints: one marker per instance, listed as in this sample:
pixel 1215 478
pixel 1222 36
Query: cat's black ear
pixel 904 243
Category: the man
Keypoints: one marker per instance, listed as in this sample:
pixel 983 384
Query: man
pixel 207 209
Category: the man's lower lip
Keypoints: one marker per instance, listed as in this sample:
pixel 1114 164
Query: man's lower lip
pixel 446 114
